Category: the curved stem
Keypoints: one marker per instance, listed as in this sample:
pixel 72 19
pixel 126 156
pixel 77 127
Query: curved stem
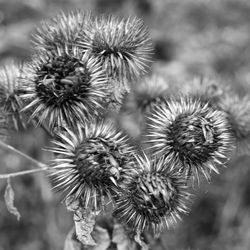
pixel 32 171
pixel 5 146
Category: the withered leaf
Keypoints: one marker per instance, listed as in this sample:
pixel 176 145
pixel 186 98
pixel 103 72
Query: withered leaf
pixel 121 238
pixel 9 200
pixel 84 225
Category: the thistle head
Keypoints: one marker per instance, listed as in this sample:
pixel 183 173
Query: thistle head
pixel 142 97
pixel 237 110
pixel 122 45
pixel 153 197
pixel 190 133
pixel 203 86
pixel 64 88
pixel 146 94
pixel 90 161
pixel 10 91
pixel 63 31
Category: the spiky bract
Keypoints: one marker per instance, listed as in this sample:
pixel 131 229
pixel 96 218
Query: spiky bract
pixel 153 197
pixel 90 162
pixel 190 133
pixel 10 91
pixel 122 45
pixel 64 88
pixel 238 115
pixel 64 31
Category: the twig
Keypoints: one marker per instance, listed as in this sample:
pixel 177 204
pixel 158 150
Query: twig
pixel 3 145
pixel 32 171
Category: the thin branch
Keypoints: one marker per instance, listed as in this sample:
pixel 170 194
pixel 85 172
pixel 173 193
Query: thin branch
pixel 32 171
pixel 5 146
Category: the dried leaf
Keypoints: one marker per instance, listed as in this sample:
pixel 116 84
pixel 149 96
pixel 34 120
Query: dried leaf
pixel 9 200
pixel 121 238
pixel 72 204
pixel 138 239
pixel 71 243
pixel 101 237
pixel 84 224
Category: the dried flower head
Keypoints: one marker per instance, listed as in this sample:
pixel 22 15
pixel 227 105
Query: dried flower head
pixel 10 91
pixel 238 115
pixel 123 46
pixel 153 197
pixel 190 133
pixel 64 88
pixel 90 161
pixel 139 101
pixel 203 86
pixel 146 94
pixel 64 31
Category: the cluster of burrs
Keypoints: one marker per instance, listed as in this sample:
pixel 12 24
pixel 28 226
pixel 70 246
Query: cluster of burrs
pixel 83 66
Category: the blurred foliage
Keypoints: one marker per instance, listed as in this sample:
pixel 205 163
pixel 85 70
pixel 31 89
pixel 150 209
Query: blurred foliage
pixel 191 38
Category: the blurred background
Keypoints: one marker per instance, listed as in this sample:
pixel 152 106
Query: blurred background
pixel 190 38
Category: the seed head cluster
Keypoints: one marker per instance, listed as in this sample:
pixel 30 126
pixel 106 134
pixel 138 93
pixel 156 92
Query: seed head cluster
pixel 10 91
pixel 155 196
pixel 190 133
pixel 64 88
pixel 90 162
pixel 64 31
pixel 237 110
pixel 122 45
pixel 81 67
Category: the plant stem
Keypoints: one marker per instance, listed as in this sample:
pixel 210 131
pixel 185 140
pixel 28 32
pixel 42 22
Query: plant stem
pixel 32 171
pixel 5 146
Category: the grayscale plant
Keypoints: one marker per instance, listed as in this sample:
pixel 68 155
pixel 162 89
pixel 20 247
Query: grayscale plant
pixel 81 67
pixel 191 133
pixel 64 87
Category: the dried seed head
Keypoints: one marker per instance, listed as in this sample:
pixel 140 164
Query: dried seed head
pixel 238 115
pixel 139 101
pixel 122 46
pixel 146 94
pixel 64 31
pixel 10 91
pixel 89 162
pixel 153 197
pixel 64 88
pixel 190 133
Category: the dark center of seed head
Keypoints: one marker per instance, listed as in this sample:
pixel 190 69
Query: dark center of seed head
pixel 154 196
pixel 192 138
pixel 61 80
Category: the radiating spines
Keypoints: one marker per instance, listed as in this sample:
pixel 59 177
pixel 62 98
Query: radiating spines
pixel 122 45
pixel 238 114
pixel 155 197
pixel 64 88
pixel 10 91
pixel 90 161
pixel 190 133
pixel 63 31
